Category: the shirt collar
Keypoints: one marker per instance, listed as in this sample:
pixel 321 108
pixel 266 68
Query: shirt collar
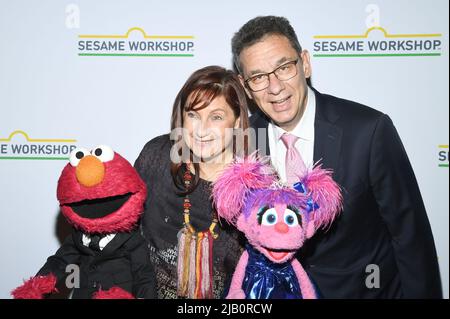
pixel 305 128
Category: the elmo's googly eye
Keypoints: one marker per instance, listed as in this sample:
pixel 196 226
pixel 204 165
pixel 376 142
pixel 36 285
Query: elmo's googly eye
pixel 269 218
pixel 103 153
pixel 76 155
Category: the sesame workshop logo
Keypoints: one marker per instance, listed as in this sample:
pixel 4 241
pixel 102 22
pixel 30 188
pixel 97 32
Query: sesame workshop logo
pixel 136 43
pixel 377 42
pixel 443 155
pixel 19 146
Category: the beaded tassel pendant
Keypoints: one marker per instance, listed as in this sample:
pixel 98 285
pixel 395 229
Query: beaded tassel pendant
pixel 195 255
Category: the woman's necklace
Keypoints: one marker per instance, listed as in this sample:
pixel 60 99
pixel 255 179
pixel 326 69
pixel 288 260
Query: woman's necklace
pixel 195 254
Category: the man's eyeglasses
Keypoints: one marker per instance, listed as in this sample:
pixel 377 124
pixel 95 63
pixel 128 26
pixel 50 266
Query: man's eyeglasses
pixel 261 81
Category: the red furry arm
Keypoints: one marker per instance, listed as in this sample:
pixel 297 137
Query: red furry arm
pixel 36 287
pixel 236 291
pixel 113 293
pixel 307 288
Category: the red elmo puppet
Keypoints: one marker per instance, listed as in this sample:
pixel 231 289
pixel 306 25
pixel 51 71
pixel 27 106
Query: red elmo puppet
pixel 102 196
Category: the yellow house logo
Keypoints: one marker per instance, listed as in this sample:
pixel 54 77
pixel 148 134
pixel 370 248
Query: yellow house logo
pixel 377 42
pixel 19 146
pixel 136 43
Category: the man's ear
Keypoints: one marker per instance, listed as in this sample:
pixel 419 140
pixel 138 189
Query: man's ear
pixel 249 94
pixel 306 63
pixel 310 226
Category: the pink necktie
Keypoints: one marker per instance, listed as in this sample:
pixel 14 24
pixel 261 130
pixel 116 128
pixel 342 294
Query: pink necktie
pixel 295 167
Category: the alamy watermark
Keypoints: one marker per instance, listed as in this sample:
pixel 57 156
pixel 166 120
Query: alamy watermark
pixel 373 277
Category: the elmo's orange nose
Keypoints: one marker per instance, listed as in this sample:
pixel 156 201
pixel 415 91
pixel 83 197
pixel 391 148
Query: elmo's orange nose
pixel 90 171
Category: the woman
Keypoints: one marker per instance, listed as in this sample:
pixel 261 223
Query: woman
pixel 194 256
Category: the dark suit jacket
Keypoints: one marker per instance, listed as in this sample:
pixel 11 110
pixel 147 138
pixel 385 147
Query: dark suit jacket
pixel 383 222
pixel 124 263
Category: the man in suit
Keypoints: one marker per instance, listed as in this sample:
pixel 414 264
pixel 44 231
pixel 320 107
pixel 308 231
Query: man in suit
pixel 382 245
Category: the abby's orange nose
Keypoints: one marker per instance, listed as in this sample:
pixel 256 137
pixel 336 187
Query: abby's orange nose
pixel 90 171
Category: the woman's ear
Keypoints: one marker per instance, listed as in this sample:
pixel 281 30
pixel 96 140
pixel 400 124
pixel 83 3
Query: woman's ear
pixel 237 123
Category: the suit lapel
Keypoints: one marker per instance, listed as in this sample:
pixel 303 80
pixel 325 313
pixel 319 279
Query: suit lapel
pixel 78 240
pixel 327 135
pixel 115 243
pixel 327 144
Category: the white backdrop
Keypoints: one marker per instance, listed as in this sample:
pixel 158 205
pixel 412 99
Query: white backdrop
pixel 54 94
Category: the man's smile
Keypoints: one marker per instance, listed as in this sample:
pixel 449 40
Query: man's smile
pixel 281 105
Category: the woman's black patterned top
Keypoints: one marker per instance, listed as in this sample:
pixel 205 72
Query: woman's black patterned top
pixel 163 219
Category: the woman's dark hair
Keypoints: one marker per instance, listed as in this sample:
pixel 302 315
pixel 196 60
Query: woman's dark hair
pixel 202 87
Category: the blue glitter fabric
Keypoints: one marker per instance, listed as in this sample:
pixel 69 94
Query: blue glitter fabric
pixel 265 279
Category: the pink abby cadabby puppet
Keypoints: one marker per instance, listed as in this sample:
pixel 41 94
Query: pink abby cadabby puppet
pixel 276 220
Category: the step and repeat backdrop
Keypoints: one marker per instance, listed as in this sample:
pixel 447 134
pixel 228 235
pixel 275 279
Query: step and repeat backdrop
pixel 84 73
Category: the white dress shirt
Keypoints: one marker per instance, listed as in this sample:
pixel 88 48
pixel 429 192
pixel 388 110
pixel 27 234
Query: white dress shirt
pixel 305 144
